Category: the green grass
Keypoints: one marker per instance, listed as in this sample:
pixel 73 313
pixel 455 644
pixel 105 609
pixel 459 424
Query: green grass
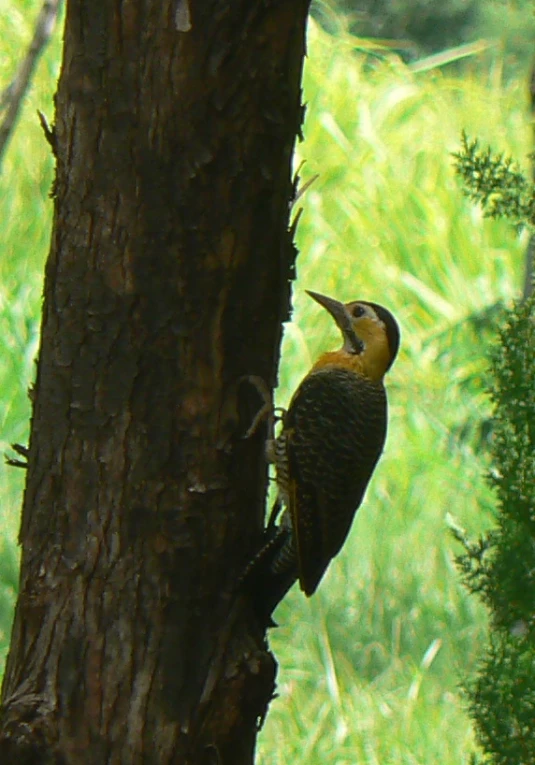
pixel 369 668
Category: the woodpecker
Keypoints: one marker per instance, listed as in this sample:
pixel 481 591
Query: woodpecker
pixel 332 436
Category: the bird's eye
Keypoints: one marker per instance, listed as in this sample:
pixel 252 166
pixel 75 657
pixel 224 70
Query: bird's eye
pixel 358 310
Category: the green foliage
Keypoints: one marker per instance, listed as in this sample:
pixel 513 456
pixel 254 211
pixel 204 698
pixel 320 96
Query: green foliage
pixel 500 565
pixel 419 28
pixel 496 182
pixel 502 701
pixel 511 23
pixel 423 26
pixel 369 667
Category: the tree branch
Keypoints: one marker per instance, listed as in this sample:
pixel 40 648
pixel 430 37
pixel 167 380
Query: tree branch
pixel 11 99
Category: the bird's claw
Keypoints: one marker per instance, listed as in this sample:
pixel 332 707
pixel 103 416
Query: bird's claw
pixel 266 411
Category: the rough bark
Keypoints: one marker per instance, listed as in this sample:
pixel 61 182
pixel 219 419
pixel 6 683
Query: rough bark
pixel 166 283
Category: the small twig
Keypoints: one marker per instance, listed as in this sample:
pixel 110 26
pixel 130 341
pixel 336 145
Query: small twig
pixel 301 190
pixel 23 451
pixel 16 463
pixel 11 98
pixel 47 130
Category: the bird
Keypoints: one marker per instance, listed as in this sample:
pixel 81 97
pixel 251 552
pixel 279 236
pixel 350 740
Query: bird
pixel 333 433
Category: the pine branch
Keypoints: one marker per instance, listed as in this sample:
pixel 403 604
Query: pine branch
pixel 496 183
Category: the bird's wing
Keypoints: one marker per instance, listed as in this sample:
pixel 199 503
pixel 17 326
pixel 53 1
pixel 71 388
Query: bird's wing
pixel 333 442
pixel 307 533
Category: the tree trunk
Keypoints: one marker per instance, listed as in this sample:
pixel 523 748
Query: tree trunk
pixel 166 284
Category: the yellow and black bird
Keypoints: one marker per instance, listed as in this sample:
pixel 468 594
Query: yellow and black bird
pixel 332 436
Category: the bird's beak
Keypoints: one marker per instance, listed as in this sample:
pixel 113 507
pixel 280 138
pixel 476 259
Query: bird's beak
pixel 342 318
pixel 335 308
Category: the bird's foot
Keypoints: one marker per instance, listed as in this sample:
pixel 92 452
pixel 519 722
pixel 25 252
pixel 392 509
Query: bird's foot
pixel 267 411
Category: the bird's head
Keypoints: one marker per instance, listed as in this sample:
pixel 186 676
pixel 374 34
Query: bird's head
pixel 368 330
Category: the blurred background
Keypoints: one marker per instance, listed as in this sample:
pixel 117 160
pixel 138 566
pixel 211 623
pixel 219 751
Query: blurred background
pixel 370 667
